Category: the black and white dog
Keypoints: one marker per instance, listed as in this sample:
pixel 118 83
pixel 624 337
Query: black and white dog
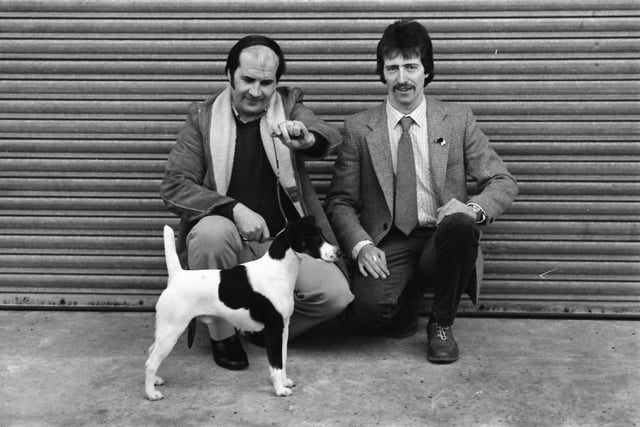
pixel 254 296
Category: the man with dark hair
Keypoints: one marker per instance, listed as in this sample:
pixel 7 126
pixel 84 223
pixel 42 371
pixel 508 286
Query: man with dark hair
pixel 399 204
pixel 237 173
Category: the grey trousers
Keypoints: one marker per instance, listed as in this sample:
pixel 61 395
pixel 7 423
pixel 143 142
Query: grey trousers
pixel 321 291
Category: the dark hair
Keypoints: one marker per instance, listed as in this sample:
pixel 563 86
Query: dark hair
pixel 407 38
pixel 233 59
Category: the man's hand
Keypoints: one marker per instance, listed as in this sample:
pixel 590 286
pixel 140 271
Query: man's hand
pixel 372 260
pixel 454 206
pixel 251 226
pixel 294 134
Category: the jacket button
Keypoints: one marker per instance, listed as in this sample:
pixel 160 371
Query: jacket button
pixel 385 226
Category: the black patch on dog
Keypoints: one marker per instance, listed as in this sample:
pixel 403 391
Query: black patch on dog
pixel 273 343
pixel 234 289
pixel 302 235
pixel 279 247
pixel 236 292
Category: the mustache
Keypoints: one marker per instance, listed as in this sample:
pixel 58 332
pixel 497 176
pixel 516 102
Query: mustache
pixel 404 87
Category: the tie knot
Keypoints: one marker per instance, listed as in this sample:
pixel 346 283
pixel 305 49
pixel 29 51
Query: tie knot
pixel 405 123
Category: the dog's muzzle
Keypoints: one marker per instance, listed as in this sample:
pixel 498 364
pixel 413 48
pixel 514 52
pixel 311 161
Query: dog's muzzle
pixel 330 253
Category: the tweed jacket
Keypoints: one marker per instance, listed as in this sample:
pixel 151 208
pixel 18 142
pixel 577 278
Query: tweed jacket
pixel 189 189
pixel 360 198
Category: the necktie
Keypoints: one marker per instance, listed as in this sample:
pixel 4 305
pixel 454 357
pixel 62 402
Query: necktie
pixel 406 206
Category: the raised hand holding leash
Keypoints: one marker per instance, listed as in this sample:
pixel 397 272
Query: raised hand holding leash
pixel 294 134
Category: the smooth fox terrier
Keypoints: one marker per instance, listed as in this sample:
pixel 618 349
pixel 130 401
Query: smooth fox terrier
pixel 254 296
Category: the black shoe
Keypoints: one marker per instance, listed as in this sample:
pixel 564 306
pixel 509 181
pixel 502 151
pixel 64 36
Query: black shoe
pixel 441 345
pixel 229 353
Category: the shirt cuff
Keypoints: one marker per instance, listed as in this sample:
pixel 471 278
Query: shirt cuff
pixel 226 210
pixel 358 247
pixel 477 208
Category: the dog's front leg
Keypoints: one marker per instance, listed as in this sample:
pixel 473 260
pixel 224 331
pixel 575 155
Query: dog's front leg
pixel 288 382
pixel 276 353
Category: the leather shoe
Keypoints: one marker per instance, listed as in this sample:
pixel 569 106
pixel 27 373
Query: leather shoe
pixel 229 354
pixel 441 345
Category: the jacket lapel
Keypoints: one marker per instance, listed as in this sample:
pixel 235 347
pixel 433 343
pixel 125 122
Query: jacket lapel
pixel 378 142
pixel 438 127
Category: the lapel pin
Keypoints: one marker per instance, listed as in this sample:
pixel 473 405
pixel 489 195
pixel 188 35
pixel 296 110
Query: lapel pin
pixel 441 141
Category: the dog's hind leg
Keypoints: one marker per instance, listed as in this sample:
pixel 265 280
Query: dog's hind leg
pixel 167 334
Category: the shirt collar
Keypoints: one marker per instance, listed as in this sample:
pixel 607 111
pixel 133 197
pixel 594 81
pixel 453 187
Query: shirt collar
pixel 236 114
pixel 419 114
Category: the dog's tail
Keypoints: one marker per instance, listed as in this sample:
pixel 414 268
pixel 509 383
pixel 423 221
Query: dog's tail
pixel 170 254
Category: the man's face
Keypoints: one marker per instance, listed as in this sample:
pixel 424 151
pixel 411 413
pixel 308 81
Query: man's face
pixel 254 81
pixel 405 82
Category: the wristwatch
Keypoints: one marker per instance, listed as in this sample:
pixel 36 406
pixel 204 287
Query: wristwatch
pixel 481 217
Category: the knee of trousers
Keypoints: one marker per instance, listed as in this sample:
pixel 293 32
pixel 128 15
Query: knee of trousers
pixel 371 315
pixel 326 302
pixel 458 227
pixel 213 234
pixel 336 300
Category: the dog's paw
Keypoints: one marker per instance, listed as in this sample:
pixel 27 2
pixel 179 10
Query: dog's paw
pixel 158 381
pixel 288 382
pixel 283 391
pixel 154 395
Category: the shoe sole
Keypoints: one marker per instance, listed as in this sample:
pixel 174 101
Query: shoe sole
pixel 441 360
pixel 232 367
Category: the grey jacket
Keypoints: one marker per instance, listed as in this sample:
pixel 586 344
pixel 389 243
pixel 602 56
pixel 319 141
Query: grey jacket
pixel 188 188
pixel 360 199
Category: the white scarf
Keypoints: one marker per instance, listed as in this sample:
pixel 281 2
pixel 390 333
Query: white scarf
pixel 222 137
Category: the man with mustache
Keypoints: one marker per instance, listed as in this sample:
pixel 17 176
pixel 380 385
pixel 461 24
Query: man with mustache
pixel 398 201
pixel 237 172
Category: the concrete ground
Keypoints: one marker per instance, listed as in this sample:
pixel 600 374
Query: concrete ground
pixel 87 368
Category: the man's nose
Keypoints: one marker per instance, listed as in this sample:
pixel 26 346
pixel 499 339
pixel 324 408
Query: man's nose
pixel 254 90
pixel 402 76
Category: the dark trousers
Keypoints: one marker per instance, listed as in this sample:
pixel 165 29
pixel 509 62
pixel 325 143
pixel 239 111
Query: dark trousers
pixel 442 258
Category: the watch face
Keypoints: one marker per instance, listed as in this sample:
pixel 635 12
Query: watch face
pixel 480 217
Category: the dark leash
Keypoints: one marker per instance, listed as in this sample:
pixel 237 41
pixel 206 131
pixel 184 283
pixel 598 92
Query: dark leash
pixel 278 197
pixel 278 186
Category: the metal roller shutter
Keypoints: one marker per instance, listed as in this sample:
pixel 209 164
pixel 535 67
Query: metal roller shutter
pixel 92 95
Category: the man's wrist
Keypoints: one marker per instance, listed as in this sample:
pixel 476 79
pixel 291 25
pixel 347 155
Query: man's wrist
pixel 226 210
pixel 481 216
pixel 358 247
pixel 318 148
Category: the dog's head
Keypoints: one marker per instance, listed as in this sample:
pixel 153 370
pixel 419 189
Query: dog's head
pixel 305 236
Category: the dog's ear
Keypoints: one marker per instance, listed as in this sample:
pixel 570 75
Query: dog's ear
pixel 298 230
